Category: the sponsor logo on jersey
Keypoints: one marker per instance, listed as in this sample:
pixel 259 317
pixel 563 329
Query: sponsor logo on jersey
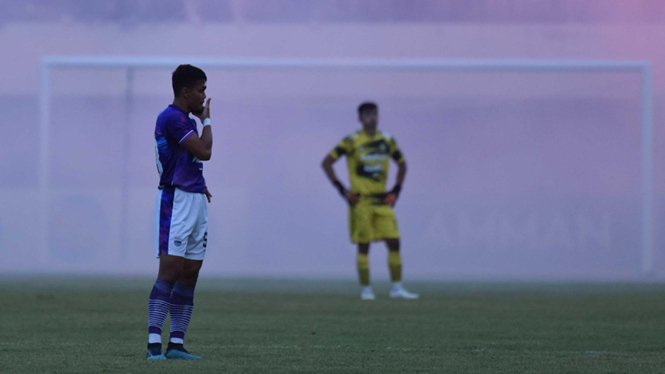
pixel 374 172
pixel 373 168
pixel 373 157
pixel 375 147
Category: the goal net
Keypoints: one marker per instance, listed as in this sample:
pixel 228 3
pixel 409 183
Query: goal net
pixel 516 168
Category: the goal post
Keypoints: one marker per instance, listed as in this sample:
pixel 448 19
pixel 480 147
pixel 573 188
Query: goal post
pixel 131 64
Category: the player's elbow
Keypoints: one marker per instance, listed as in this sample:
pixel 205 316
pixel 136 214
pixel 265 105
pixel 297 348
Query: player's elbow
pixel 205 155
pixel 327 162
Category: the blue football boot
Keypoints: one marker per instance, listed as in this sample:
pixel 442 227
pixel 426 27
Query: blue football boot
pixel 155 352
pixel 178 352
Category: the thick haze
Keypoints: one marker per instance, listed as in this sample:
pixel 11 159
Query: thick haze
pixel 513 175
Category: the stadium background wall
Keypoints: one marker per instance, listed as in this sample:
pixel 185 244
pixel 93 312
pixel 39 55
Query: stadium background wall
pixel 511 175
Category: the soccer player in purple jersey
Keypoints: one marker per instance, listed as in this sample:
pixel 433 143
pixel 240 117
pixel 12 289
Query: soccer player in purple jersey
pixel 181 211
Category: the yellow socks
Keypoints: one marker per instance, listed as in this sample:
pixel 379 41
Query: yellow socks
pixel 395 265
pixel 363 269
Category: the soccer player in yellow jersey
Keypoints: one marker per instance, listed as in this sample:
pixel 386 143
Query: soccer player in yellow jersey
pixel 371 217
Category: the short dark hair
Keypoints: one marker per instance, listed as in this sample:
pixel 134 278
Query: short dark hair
pixel 366 107
pixel 186 76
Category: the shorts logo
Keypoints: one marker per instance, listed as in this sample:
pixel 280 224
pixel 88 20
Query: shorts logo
pixel 205 239
pixel 177 242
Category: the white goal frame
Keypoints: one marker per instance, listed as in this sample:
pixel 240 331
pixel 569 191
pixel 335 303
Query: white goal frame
pixel 131 64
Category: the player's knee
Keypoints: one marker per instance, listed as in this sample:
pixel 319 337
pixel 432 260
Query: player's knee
pixel 169 275
pixel 393 245
pixel 189 279
pixel 190 272
pixel 363 248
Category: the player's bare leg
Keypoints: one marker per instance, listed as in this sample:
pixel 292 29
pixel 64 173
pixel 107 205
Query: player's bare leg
pixel 362 261
pixel 170 268
pixel 190 272
pixel 395 266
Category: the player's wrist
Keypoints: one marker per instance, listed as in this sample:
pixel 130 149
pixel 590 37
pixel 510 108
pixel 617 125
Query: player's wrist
pixel 206 122
pixel 396 190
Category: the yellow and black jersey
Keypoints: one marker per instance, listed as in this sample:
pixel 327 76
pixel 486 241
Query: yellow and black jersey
pixel 368 159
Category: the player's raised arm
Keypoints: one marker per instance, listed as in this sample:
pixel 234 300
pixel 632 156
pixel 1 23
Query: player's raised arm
pixel 201 147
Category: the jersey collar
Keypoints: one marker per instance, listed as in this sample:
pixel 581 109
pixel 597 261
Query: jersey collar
pixel 376 133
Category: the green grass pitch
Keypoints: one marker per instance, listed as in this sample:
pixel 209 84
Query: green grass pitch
pixel 303 326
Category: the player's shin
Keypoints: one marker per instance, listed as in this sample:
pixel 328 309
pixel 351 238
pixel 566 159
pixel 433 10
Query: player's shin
pixel 395 265
pixel 182 305
pixel 158 309
pixel 363 269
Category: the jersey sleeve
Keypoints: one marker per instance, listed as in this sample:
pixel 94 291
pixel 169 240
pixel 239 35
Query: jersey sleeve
pixel 395 152
pixel 341 149
pixel 180 129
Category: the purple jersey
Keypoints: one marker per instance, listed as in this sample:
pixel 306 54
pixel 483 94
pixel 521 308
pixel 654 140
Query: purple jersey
pixel 176 166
